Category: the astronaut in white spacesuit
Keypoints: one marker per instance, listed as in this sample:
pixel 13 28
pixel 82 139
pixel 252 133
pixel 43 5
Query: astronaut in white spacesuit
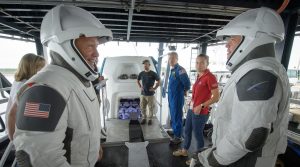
pixel 58 120
pixel 251 120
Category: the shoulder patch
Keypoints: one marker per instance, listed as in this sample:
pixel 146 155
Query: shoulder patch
pixel 181 71
pixel 256 85
pixel 39 109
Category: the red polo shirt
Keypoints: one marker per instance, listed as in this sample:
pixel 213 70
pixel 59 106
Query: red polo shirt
pixel 202 89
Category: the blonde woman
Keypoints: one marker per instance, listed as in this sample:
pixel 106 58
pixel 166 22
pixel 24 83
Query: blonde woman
pixel 205 93
pixel 29 65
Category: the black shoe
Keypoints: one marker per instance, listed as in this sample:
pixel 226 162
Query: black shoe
pixel 170 132
pixel 175 141
pixel 143 121
pixel 150 122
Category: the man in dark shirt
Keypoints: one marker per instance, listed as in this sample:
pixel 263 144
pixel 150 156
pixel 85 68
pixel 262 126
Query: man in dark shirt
pixel 148 78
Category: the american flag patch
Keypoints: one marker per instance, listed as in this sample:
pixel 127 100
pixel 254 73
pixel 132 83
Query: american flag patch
pixel 182 71
pixel 38 110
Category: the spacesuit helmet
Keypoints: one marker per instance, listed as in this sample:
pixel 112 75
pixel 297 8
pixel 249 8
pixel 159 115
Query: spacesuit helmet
pixel 257 27
pixel 62 25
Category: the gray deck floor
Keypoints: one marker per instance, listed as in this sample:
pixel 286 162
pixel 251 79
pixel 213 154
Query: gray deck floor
pixel 118 132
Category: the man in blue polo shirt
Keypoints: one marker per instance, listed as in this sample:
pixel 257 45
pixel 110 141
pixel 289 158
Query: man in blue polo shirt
pixel 148 78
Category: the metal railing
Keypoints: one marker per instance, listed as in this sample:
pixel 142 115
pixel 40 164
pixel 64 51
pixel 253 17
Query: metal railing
pixel 4 99
pixel 5 155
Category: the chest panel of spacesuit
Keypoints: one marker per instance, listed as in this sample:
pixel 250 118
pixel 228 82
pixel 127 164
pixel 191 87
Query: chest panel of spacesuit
pixel 84 102
pixel 221 117
pixel 85 121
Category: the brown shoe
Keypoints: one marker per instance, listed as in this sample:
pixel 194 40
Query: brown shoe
pixel 150 122
pixel 143 121
pixel 180 153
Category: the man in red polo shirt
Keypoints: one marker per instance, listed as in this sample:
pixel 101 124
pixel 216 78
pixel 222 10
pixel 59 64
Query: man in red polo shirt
pixel 205 93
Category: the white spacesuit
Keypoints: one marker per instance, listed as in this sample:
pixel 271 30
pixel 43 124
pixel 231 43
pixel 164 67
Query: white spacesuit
pixel 251 120
pixel 58 120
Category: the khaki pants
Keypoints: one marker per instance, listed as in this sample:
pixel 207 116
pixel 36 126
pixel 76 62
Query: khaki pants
pixel 150 101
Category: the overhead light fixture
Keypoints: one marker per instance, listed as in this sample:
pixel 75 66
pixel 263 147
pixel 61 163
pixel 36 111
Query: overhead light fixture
pixel 172 48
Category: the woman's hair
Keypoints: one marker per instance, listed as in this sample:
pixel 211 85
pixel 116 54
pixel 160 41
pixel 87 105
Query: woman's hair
pixel 204 56
pixel 29 65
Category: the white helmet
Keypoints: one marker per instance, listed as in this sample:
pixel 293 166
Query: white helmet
pixel 258 27
pixel 62 25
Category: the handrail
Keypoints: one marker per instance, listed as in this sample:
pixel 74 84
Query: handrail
pixel 5 89
pixel 294 137
pixel 2 101
pixel 2 90
pixel 295 101
pixel 1 113
pixel 4 85
pixel 6 153
pixel 2 125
